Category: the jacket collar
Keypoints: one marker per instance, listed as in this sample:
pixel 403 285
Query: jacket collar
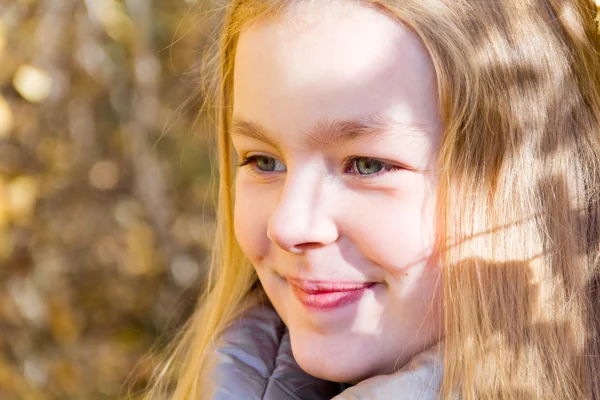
pixel 253 360
pixel 420 379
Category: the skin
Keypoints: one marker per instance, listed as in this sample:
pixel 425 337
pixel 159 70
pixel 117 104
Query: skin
pixel 312 213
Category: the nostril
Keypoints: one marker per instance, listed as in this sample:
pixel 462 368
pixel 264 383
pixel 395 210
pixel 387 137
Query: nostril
pixel 298 237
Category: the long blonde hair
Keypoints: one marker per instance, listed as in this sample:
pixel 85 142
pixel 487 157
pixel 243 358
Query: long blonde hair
pixel 518 202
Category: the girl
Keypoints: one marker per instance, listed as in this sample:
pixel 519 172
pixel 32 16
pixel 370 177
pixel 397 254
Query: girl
pixel 415 208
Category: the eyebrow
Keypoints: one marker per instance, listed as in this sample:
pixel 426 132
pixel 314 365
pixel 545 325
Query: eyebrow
pixel 335 131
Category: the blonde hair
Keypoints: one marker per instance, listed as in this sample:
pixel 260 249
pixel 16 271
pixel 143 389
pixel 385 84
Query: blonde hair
pixel 519 205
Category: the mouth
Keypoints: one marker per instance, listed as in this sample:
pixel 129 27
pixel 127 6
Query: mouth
pixel 328 295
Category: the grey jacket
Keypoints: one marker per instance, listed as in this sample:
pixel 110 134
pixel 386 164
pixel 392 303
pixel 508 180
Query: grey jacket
pixel 254 362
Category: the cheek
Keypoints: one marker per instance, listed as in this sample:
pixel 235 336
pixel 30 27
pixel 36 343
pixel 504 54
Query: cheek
pixel 397 234
pixel 250 221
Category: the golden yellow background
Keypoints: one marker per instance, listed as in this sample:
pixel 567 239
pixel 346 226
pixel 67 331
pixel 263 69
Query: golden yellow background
pixel 106 215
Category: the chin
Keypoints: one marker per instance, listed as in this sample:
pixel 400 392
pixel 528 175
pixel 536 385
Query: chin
pixel 333 374
pixel 332 368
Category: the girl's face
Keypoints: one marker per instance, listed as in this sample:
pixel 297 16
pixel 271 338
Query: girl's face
pixel 336 123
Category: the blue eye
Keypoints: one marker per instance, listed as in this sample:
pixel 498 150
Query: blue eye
pixel 365 167
pixel 262 163
pixel 360 167
pixel 368 166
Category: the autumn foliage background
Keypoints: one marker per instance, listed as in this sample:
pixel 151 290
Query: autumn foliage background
pixel 106 212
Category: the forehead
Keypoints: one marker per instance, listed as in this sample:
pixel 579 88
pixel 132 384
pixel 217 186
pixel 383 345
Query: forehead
pixel 323 61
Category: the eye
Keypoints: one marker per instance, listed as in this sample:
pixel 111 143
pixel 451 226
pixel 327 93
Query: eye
pixel 262 163
pixel 366 167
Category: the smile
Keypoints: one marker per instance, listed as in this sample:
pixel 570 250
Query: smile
pixel 321 295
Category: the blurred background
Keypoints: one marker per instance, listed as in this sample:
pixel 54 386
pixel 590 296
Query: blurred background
pixel 106 211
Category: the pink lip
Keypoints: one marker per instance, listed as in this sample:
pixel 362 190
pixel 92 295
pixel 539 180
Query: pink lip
pixel 328 295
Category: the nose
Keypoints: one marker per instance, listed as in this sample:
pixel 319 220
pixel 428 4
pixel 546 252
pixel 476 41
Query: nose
pixel 302 218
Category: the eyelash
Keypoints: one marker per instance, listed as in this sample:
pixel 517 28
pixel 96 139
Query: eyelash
pixel 348 164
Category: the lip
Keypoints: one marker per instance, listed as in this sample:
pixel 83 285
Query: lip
pixel 328 295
